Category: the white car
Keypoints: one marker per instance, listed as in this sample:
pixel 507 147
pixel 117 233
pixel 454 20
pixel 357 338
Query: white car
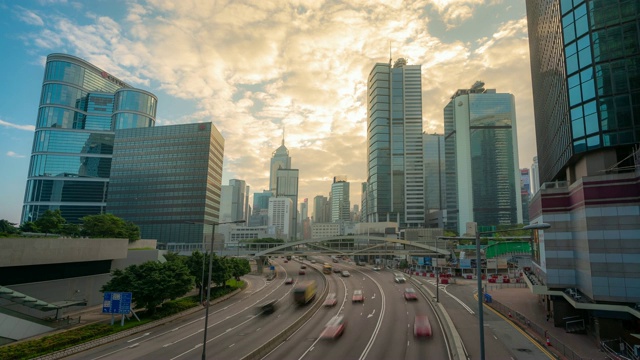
pixel 399 279
pixel 376 268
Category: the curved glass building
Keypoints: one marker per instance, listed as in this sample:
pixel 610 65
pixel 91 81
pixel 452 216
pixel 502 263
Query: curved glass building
pixel 81 106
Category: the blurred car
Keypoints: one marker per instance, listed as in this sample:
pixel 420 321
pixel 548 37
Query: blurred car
pixel 399 279
pixel 337 270
pixel 357 296
pixel 288 281
pixel 376 268
pixel 345 273
pixel 267 308
pixel 421 326
pixel 301 272
pixel 303 266
pixel 410 294
pixel 334 328
pixel 313 261
pixel 330 300
pixel 286 261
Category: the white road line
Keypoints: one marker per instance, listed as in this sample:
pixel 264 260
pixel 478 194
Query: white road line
pixel 139 337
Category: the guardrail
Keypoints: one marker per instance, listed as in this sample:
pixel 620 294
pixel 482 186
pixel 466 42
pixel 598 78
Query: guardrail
pixel 267 347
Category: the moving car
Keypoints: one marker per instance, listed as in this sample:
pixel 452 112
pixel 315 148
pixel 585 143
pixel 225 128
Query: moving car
pixel 267 308
pixel 399 279
pixel 421 326
pixel 410 294
pixel 376 268
pixel 357 296
pixel 334 328
pixel 303 266
pixel 337 270
pixel 330 300
pixel 345 273
pixel 301 272
pixel 288 281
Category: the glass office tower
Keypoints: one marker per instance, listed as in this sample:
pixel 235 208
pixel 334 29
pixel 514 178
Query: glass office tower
pixel 80 108
pixel 340 204
pixel 167 180
pixel 481 159
pixel 395 179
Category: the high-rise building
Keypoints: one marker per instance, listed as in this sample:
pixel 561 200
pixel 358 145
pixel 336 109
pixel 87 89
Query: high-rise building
pixel 481 159
pixel 321 209
pixel 585 67
pixel 280 159
pixel 281 217
pixel 260 214
pixel 535 177
pixel 395 176
pixel 340 204
pixel 287 186
pixel 434 180
pixel 81 107
pixel 226 198
pixel 169 198
pixel 525 194
pixel 238 199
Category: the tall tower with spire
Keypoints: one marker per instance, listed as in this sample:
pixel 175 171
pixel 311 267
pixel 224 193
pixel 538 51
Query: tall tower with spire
pixel 280 159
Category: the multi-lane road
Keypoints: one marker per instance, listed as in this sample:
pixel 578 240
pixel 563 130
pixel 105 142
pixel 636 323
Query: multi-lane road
pixel 381 327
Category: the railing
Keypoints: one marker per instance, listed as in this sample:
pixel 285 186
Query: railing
pixel 543 335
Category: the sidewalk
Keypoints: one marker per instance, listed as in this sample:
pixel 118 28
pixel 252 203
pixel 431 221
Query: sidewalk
pixel 529 312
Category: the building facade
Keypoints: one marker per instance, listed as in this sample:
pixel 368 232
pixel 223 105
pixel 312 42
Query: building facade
pixel 481 159
pixel 260 211
pixel 340 204
pixel 167 180
pixel 281 217
pixel 585 63
pixel 81 107
pixel 321 209
pixel 287 186
pixel 434 177
pixel 395 176
pixel 535 176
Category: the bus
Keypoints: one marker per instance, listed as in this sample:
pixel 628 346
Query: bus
pixel 304 292
pixel 326 268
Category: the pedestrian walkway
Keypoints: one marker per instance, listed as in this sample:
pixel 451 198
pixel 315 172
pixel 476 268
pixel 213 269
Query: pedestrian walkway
pixel 528 311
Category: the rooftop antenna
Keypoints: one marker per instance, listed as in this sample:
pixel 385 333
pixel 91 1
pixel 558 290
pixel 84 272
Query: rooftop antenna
pixel 282 135
pixel 389 52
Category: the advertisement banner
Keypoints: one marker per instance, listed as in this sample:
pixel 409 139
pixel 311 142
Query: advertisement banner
pixel 465 263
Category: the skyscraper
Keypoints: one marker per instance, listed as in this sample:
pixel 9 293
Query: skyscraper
pixel 280 159
pixel 260 214
pixel 395 178
pixel 281 217
pixel 340 204
pixel 585 69
pixel 161 194
pixel 321 213
pixel 287 186
pixel 481 159
pixel 81 106
pixel 238 199
pixel 535 177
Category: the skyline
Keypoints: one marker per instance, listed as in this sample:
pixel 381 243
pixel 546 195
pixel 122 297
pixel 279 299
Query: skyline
pixel 255 68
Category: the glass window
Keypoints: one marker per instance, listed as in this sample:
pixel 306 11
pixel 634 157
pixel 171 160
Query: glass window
pixel 590 108
pixel 593 142
pixel 591 124
pixel 603 80
pixel 577 128
pixel 579 146
pixel 584 57
pixel 582 26
pixel 576 113
pixel 572 64
pixel 566 5
pixel 588 90
pixel 574 96
pixel 570 49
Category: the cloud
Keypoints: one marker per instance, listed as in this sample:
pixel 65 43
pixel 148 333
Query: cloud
pixel 14 155
pixel 28 16
pixel 256 67
pixel 16 126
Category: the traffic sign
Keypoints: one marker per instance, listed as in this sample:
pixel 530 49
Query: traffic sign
pixel 116 303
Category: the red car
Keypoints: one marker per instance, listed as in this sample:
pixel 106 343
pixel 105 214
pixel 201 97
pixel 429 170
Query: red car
pixel 289 281
pixel 334 328
pixel 410 294
pixel 301 272
pixel 357 296
pixel 330 300
pixel 421 326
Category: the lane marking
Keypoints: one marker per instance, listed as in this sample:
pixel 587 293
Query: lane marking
pixel 139 337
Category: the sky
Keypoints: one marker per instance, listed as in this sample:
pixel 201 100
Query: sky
pixel 256 68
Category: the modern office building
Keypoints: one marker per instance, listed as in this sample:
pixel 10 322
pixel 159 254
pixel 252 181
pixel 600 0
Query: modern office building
pixel 395 176
pixel 535 177
pixel 321 209
pixel 260 211
pixel 280 159
pixel 340 204
pixel 81 107
pixel 434 178
pixel 481 159
pixel 281 217
pixel 238 199
pixel 167 180
pixel 525 194
pixel 585 66
pixel 287 186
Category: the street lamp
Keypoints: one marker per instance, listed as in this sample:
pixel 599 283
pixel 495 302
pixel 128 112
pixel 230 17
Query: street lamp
pixel 206 314
pixel 538 226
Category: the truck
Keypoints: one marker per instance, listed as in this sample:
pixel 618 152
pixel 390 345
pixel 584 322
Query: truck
pixel 326 268
pixel 304 292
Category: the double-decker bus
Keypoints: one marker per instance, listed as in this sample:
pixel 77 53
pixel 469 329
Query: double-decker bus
pixel 326 268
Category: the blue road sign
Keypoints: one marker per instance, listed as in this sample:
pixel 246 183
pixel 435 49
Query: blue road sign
pixel 272 267
pixel 116 303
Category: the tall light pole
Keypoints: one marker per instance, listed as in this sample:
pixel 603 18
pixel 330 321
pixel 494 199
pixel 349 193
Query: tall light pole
pixel 206 314
pixel 538 226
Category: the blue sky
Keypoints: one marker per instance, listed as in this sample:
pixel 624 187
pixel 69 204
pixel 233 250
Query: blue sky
pixel 254 67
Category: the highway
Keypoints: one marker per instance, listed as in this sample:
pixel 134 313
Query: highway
pixel 235 327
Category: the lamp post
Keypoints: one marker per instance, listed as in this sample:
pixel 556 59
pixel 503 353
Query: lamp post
pixel 538 226
pixel 206 314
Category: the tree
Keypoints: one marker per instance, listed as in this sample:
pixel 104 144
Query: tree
pixel 50 222
pixel 195 265
pixel 70 230
pixel 109 226
pixel 219 271
pixel 8 228
pixel 151 283
pixel 29 226
pixel 238 267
